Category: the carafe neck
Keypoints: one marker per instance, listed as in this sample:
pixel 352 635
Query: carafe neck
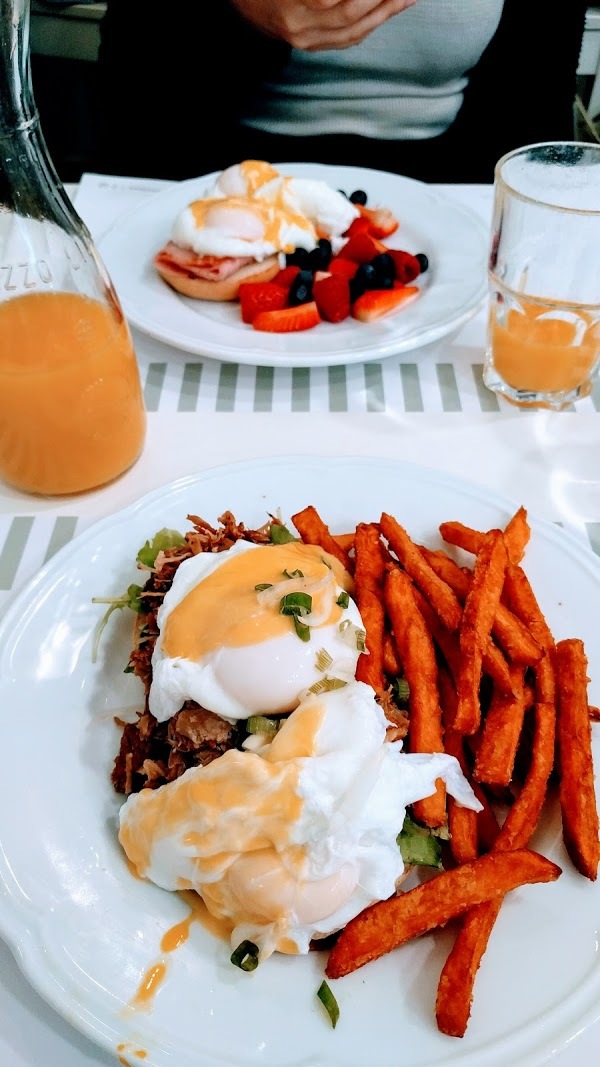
pixel 18 111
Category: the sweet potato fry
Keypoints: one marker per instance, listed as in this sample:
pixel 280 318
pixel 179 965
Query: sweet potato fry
pixel 512 635
pixel 345 541
pixel 417 655
pixel 494 663
pixel 462 822
pixel 368 578
pixel 455 988
pixel 577 793
pixel 522 601
pixel 313 531
pixel 391 663
pixel 479 613
pixel 391 923
pixel 471 832
pixel 438 593
pixel 456 533
pixel 499 740
pixel 516 536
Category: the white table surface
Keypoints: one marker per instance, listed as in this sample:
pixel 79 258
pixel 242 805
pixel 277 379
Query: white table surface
pixel 429 407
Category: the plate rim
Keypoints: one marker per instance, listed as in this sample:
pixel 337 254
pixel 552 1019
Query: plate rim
pixel 257 356
pixel 20 936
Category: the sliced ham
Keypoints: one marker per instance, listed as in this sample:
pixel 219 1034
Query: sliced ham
pixel 212 268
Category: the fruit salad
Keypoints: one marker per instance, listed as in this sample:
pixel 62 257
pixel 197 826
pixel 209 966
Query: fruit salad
pixel 365 279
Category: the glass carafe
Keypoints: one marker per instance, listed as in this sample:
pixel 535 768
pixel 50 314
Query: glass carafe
pixel 71 411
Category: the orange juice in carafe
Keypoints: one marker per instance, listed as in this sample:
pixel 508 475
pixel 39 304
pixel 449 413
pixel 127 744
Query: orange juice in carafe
pixel 71 410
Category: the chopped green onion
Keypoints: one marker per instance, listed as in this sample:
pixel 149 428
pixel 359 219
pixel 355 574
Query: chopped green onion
pixel 327 685
pixel 261 724
pixel 343 600
pixel 329 1003
pixel 263 585
pixel 361 640
pixel 129 669
pixel 401 689
pixel 344 626
pixel 301 629
pixel 328 565
pixel 245 956
pixel 323 660
pixel 296 604
pixel 294 574
pixel 280 535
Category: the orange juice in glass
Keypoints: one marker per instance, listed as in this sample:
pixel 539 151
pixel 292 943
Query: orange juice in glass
pixel 543 344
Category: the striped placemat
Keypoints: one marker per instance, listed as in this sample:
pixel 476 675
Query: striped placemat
pixel 431 385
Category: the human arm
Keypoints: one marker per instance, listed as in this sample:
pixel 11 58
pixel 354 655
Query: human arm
pixel 317 25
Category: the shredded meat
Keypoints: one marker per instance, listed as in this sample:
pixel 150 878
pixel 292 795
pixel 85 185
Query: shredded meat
pixel 397 717
pixel 152 753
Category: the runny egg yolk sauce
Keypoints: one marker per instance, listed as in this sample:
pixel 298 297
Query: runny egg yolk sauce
pixel 256 172
pixel 223 610
pixel 246 866
pixel 251 219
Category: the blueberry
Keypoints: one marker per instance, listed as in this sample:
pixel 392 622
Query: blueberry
pixel 320 257
pixel 423 261
pixel 357 288
pixel 297 258
pixel 301 289
pixel 385 268
pixel 358 197
pixel 367 275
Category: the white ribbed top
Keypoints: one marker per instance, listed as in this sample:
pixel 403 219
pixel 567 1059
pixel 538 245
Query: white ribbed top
pixel 405 80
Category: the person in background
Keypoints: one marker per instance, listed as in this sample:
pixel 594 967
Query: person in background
pixel 432 89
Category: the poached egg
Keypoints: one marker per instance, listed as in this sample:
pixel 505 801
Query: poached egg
pixel 225 643
pixel 290 844
pixel 253 210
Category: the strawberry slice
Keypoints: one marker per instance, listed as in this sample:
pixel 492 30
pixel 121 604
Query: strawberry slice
pixel 345 268
pixel 359 225
pixel 407 267
pixel 375 303
pixel 332 297
pixel 260 296
pixel 361 248
pixel 381 221
pixel 288 320
pixel 286 276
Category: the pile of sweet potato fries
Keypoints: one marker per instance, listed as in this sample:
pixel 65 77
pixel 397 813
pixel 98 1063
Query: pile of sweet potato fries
pixel 489 685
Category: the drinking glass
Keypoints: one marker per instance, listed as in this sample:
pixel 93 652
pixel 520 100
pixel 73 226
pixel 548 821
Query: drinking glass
pixel 543 340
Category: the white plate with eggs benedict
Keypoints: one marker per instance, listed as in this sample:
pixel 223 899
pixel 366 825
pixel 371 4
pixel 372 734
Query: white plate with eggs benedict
pixel 165 303
pixel 118 955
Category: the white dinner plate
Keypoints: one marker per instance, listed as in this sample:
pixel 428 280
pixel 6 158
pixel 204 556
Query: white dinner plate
pixel 85 931
pixel 454 287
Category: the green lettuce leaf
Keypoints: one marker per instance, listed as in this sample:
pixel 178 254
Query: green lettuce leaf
pixel 418 846
pixel 163 539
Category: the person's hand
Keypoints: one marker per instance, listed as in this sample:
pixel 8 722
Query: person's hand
pixel 316 25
